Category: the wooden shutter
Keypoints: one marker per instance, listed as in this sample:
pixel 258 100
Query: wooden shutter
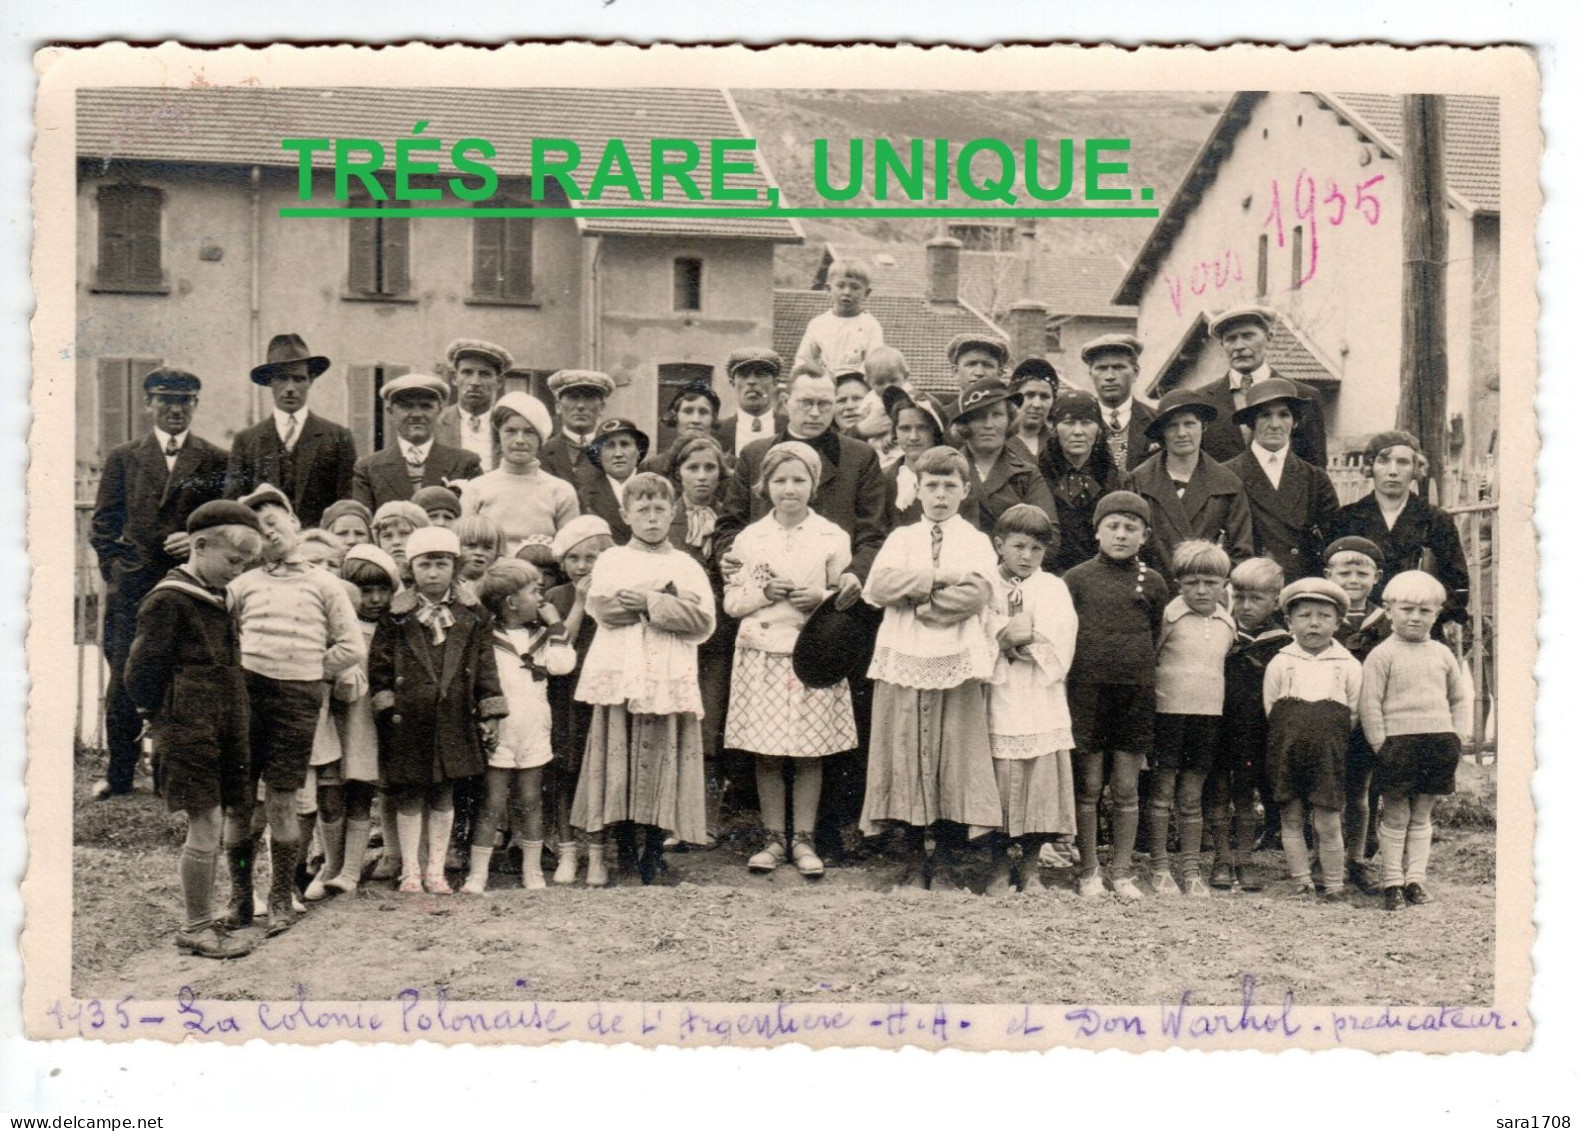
pixel 383 434
pixel 395 255
pixel 115 410
pixel 361 405
pixel 362 271
pixel 488 239
pixel 115 247
pixel 517 270
pixel 144 209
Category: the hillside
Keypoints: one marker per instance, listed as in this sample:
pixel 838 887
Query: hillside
pixel 1165 129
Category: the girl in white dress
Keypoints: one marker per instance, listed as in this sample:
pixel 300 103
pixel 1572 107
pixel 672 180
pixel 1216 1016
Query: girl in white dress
pixel 1028 717
pixel 791 560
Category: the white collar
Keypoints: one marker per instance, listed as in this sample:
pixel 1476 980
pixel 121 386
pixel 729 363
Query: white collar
pixel 1258 375
pixel 164 439
pixel 420 450
pixel 768 415
pixel 1122 410
pixel 578 439
pixel 282 419
pixel 478 416
pixel 619 487
pixel 1268 458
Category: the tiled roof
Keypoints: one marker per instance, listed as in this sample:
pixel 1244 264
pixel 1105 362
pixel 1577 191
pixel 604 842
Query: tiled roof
pixel 919 329
pixel 1068 284
pixel 245 125
pixel 1471 138
pixel 1471 161
pixel 1287 353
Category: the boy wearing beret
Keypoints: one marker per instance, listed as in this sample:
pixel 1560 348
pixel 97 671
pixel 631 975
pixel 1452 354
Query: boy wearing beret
pixel 1119 606
pixel 184 674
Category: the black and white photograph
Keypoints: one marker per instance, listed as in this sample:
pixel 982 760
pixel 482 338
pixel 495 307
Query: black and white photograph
pixel 911 591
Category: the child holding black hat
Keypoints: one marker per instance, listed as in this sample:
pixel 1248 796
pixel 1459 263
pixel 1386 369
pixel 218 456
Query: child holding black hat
pixel 1312 692
pixel 791 560
pixel 1119 604
pixel 185 676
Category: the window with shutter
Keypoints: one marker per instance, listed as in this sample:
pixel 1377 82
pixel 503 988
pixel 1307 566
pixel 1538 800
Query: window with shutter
pixel 130 219
pixel 121 398
pixel 378 252
pixel 502 259
pixel 688 284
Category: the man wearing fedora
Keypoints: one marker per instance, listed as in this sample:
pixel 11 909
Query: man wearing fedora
pixel 139 533
pixel 307 457
pixel 754 374
pixel 416 459
pixel 477 370
pixel 579 396
pixel 1243 331
pixel 1111 361
pixel 1291 501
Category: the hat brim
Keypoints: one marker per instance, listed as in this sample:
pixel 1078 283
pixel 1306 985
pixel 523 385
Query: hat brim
pixel 965 414
pixel 1226 325
pixel 595 449
pixel 994 348
pixel 835 644
pixel 1205 412
pixel 1246 416
pixel 315 368
pixel 1112 347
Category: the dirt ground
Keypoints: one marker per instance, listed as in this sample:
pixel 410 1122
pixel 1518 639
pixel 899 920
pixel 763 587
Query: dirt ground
pixel 710 931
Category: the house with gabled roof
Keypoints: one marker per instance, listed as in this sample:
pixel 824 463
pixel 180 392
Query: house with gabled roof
pixel 1295 201
pixel 183 258
pixel 1076 290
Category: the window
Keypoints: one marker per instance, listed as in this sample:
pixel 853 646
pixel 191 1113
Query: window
pixel 130 217
pixel 1295 257
pixel 688 284
pixel 121 398
pixel 502 259
pixel 380 259
pixel 1262 266
pixel 1051 338
pixel 364 412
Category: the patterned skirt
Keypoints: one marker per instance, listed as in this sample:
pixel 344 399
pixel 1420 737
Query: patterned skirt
pixel 642 768
pixel 772 712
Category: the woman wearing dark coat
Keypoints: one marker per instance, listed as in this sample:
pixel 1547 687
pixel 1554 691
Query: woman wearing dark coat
pixel 1079 470
pixel 1001 472
pixel 1191 493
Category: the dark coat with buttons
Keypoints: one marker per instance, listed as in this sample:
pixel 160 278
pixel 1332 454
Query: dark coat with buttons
pixel 428 699
pixel 1013 479
pixel 1288 521
pixel 1213 508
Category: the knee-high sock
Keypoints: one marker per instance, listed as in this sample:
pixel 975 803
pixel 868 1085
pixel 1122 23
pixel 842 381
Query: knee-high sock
pixel 1125 822
pixel 1331 846
pixel 1293 833
pixel 440 822
pixel 197 886
pixel 409 835
pixel 354 851
pixel 1087 835
pixel 333 834
pixel 1158 833
pixel 1247 825
pixel 283 857
pixel 1418 845
pixel 1392 822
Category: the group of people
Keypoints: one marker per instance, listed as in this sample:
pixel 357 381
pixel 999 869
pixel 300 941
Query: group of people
pixel 977 613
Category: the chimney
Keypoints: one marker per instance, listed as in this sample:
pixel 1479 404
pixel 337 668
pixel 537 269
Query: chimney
pixel 944 271
pixel 1028 329
pixel 1026 251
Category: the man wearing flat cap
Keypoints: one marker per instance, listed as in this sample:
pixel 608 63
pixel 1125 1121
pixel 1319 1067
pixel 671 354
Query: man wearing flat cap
pixel 147 490
pixel 754 374
pixel 1244 331
pixel 1291 501
pixel 1111 361
pixel 579 396
pixel 975 357
pixel 306 456
pixel 416 459
pixel 477 369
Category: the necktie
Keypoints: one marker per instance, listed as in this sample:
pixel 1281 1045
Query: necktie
pixel 477 424
pixel 1114 422
pixel 938 543
pixel 288 441
pixel 757 424
pixel 413 457
pixel 172 449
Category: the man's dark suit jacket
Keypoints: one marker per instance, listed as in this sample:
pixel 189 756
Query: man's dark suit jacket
pixel 563 459
pixel 852 493
pixel 1222 438
pixel 1288 523
pixel 726 433
pixel 325 456
pixel 139 505
pixel 1138 446
pixel 381 477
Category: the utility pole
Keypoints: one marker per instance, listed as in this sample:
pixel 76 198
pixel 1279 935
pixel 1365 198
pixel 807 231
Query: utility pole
pixel 1424 351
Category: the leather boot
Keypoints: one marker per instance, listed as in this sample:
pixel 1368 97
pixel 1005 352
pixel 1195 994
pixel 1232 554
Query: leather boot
pixel 239 861
pixel 282 886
